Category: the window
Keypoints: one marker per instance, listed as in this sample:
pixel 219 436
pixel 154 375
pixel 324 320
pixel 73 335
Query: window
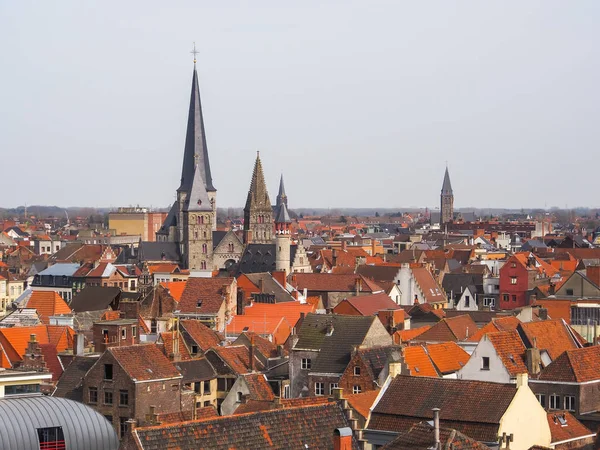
pixel 286 391
pixel 194 349
pixel 513 265
pixel 542 399
pixel 356 389
pixel 467 301
pixel 93 395
pixel 485 363
pixel 569 291
pixel 207 403
pixel 204 248
pixel 123 398
pixel 197 387
pixel 20 389
pixel 134 331
pixel 203 265
pixel 489 302
pixel 240 397
pixel 108 371
pixel 319 388
pixel 123 426
pixel 514 298
pixel 108 397
pixel 505 297
pixel 221 384
pixel 305 363
pixel 356 370
pixel 332 386
pixel 123 333
pixel 206 387
pixel 513 280
pixel 51 438
pixel 569 403
pixel 554 401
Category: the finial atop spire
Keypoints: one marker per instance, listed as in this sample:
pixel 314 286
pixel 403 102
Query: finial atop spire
pixel 258 153
pixel 194 52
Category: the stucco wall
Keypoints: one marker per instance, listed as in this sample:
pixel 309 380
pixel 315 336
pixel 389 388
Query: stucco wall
pixel 472 370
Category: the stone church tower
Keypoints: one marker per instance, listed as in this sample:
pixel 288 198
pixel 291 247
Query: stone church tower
pixel 446 200
pixel 193 217
pixel 258 212
pixel 281 196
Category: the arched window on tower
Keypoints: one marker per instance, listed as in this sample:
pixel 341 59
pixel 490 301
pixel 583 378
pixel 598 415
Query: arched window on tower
pixel 195 234
pixel 203 265
pixel 201 220
pixel 231 247
pixel 204 248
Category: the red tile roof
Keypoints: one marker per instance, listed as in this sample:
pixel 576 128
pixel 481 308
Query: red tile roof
pixel 369 305
pixel 175 288
pixel 432 291
pixel 362 403
pixel 162 268
pixel 47 303
pixel 165 343
pixel 203 336
pixel 262 326
pixel 448 357
pixel 144 362
pixel 510 349
pixel 291 311
pixel 211 292
pixel 408 335
pixel 237 357
pixel 578 366
pixel 551 335
pixel 497 324
pixel 418 362
pixel 327 282
pixel 258 387
pixel 14 340
pixel 454 329
pixel 564 427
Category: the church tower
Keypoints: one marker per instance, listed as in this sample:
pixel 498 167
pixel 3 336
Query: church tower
pixel 446 201
pixel 281 197
pixel 258 212
pixel 282 239
pixel 198 220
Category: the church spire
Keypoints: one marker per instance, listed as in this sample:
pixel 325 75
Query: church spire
pixel 281 197
pixel 258 196
pixel 446 186
pixel 258 212
pixel 197 200
pixel 195 141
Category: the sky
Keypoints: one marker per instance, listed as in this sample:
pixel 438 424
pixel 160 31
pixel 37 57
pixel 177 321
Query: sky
pixel 357 103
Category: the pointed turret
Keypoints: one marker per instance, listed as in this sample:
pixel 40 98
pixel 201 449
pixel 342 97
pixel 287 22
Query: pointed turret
pixel 195 143
pixel 197 200
pixel 258 212
pixel 281 196
pixel 446 186
pixel 282 215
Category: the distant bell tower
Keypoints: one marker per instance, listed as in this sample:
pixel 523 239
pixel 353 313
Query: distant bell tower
pixel 282 239
pixel 258 212
pixel 446 200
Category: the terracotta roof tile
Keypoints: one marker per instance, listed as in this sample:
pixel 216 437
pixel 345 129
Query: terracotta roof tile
pixel 565 427
pixel 579 365
pixel 204 337
pixel 327 282
pixel 454 329
pixel 510 349
pixel 448 357
pixel 14 340
pixel 47 303
pixel 265 325
pixel 408 335
pixel 421 436
pixel 497 324
pixel 162 268
pixel 362 402
pixel 369 305
pixel 175 288
pixel 418 362
pixel 432 291
pixel 165 343
pixel 204 295
pixel 144 362
pixel 237 357
pixel 551 335
pixel 258 386
pixel 291 311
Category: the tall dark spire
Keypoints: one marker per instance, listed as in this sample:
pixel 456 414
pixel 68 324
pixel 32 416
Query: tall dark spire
pixel 197 199
pixel 195 142
pixel 281 197
pixel 446 186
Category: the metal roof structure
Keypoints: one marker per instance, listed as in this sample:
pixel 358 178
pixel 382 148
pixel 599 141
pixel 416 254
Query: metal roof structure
pixel 83 427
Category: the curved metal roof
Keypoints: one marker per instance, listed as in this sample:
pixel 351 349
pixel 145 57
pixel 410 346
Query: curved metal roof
pixel 83 427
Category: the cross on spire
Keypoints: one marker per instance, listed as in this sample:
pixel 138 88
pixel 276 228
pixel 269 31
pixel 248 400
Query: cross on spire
pixel 194 52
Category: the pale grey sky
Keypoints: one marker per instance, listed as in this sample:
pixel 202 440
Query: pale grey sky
pixel 358 103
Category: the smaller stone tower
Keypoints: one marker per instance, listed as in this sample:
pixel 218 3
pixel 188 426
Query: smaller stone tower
pixel 282 240
pixel 446 201
pixel 258 212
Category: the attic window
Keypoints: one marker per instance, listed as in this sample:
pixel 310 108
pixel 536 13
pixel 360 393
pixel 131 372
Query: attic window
pixel 198 303
pixel 356 370
pixel 512 358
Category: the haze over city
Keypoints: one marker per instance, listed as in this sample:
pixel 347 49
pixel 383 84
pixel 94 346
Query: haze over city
pixel 357 103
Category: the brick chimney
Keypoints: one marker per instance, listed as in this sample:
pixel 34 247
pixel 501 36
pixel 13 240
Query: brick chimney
pixel 240 302
pixel 251 352
pixel 334 257
pixel 342 438
pixel 533 359
pixel 358 285
pixel 436 428
pixel 279 276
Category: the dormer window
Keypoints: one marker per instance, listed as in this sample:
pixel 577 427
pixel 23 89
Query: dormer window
pixel 198 303
pixel 356 370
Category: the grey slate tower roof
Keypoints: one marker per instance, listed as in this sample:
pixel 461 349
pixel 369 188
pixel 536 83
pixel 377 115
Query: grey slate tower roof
pixel 197 200
pixel 281 196
pixel 446 186
pixel 258 195
pixel 282 215
pixel 195 143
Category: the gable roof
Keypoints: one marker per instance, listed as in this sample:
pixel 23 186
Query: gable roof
pixel 47 303
pixel 258 387
pixel 14 340
pixel 554 336
pixel 175 288
pixel 510 350
pixel 429 287
pixel 369 305
pixel 447 357
pixel 454 329
pixel 144 362
pixel 578 366
pixel 564 427
pixel 379 272
pixel 496 324
pixel 422 437
pixel 204 295
pixel 472 407
pixel 362 403
pixel 291 428
pixel 204 337
pixel 237 358
pixel 95 298
pixel 70 384
pixel 418 362
pixel 328 282
pixel 408 335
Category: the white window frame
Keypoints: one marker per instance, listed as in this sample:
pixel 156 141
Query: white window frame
pixel 356 389
pixel 305 364
pixel 333 386
pixel 554 401
pixel 319 388
pixel 571 400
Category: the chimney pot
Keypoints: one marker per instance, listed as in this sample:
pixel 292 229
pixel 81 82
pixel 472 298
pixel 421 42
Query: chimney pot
pixel 436 427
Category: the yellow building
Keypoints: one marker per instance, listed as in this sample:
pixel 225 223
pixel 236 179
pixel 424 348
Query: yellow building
pixel 136 222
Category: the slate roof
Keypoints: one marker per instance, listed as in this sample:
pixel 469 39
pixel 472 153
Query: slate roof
pixel 377 358
pixel 70 384
pixel 197 199
pixel 258 194
pixel 209 291
pixel 261 258
pixel 446 185
pixel 158 251
pixel 369 305
pixel 458 282
pixel 60 269
pixel 471 407
pixel 335 350
pixel 289 428
pixel 421 437
pixel 195 370
pixel 575 366
pixel 144 362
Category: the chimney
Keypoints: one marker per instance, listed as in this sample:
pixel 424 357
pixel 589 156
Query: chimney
pixel 543 314
pixel 593 273
pixel 334 257
pixel 241 302
pixel 295 294
pixel 329 329
pixel 279 276
pixel 522 380
pixel 344 245
pixel 533 358
pixel 416 302
pixel 338 393
pixel 342 438
pixel 247 236
pixel 251 354
pixel 260 285
pixel 305 293
pixel 78 344
pixel 358 285
pixel 32 338
pixel 436 428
